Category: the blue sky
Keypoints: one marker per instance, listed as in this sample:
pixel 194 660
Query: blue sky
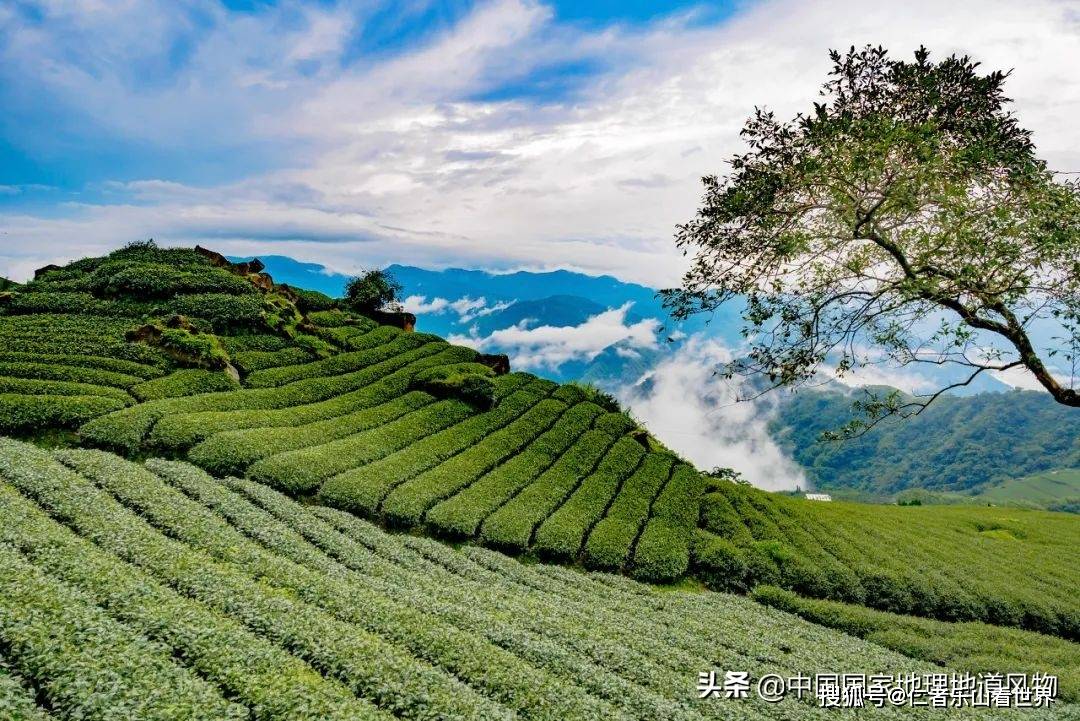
pixel 496 134
pixel 46 142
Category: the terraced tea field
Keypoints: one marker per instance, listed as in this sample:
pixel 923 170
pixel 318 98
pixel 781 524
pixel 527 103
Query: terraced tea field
pixel 330 404
pixel 1006 566
pixel 267 594
pixel 157 592
pixel 539 471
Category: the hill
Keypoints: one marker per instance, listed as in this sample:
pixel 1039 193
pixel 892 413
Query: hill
pixel 172 352
pixel 1005 566
pixel 959 444
pixel 184 355
pixel 1053 490
pixel 157 592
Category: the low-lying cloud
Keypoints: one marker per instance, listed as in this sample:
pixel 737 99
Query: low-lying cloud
pixel 691 409
pixel 548 346
pixel 467 308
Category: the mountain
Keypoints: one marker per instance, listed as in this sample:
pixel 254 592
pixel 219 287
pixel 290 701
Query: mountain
pixel 555 310
pixel 958 444
pixel 472 305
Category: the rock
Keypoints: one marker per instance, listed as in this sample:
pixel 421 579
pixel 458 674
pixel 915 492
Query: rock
pixel 498 362
pixel 45 269
pixel 405 321
pixel 250 267
pixel 262 281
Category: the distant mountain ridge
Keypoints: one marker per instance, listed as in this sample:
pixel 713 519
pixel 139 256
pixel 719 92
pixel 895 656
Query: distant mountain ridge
pixel 473 304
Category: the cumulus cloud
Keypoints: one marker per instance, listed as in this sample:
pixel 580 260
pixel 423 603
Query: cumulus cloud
pixel 692 410
pixel 548 347
pixel 402 157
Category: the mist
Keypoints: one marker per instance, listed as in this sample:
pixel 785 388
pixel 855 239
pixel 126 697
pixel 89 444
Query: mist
pixel 692 410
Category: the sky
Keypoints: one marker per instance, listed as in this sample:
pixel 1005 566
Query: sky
pixel 507 134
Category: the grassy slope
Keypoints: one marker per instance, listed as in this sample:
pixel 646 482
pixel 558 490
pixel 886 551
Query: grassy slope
pixel 1006 566
pixel 197 598
pixel 1049 489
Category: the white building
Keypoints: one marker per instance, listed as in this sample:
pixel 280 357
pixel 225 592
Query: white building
pixel 818 497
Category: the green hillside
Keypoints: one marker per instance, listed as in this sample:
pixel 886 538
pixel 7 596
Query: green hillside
pixel 157 592
pixel 958 444
pixel 179 354
pixel 1055 490
pixel 172 352
pixel 1005 566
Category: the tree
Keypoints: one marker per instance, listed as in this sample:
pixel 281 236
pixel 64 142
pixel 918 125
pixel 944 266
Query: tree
pixel 371 291
pixel 905 220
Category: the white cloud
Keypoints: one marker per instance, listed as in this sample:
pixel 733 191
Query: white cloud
pixel 466 308
pixel 694 412
pixel 419 304
pixel 549 346
pixel 905 379
pixel 1022 378
pixel 389 160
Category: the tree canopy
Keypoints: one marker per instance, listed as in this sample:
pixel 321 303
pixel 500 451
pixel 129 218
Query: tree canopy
pixel 905 220
pixel 371 291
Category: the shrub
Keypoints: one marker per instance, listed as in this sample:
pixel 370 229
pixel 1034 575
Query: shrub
pixel 662 553
pixel 600 397
pixel 611 541
pixel 335 364
pixel 313 345
pixel 21 414
pixel 253 342
pixel 337 626
pixel 663 550
pixel 255 360
pixel 970 647
pixel 374 384
pixel 305 469
pixel 34 387
pixel 562 535
pixel 52 631
pixel 75 374
pixel 332 318
pixel 469 382
pixel 192 349
pixel 184 383
pixel 115 365
pixel 225 313
pixel 161 281
pixel 232 452
pixel 511 527
pixel 407 504
pixel 461 515
pixel 719 563
pixel 362 489
pixel 183 422
pixel 248 668
pixel 308 301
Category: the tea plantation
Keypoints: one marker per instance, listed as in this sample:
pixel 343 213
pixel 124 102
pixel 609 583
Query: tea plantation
pixel 157 592
pixel 136 587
